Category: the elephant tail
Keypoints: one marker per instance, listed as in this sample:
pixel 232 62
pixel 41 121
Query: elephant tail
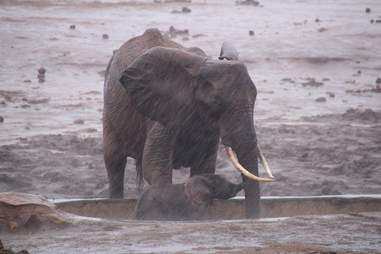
pixel 108 70
pixel 139 176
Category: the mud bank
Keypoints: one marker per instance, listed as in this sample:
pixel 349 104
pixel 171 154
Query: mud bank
pixel 321 155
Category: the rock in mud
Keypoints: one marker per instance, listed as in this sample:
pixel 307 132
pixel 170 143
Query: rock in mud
pixel 331 94
pixel 79 121
pixel 378 81
pixel 41 75
pixel 42 71
pixel 10 251
pixel 247 2
pixel 312 83
pixel 90 130
pixel 376 89
pixel 72 27
pixel 28 211
pixel 321 99
pixel 251 33
pixel 289 80
pixel 27 81
pixel 367 10
pixel 372 21
pixel 186 10
pixel 367 115
pixel 173 32
pixel 198 35
pixel 322 29
pixel 1 119
pixel 38 100
pixel 299 23
pixel 105 36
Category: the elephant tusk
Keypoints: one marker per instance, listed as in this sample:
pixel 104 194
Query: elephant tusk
pixel 240 168
pixel 264 163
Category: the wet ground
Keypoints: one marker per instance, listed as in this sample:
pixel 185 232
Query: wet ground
pixel 340 234
pixel 318 110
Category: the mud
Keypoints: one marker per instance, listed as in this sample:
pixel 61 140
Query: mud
pixel 340 234
pixel 50 136
pixel 4 250
pixel 320 155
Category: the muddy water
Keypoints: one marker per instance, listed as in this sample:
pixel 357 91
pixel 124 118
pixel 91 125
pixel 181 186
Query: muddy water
pixel 324 234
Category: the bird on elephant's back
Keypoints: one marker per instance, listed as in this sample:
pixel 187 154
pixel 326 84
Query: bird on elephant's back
pixel 168 107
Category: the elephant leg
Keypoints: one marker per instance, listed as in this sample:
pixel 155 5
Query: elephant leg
pixel 207 165
pixel 158 154
pixel 115 162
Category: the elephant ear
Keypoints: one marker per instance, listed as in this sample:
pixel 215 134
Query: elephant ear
pixel 159 83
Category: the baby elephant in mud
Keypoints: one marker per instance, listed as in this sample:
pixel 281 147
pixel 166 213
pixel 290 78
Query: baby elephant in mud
pixel 185 201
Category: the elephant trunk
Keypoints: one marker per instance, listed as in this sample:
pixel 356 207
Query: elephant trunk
pixel 241 138
pixel 247 156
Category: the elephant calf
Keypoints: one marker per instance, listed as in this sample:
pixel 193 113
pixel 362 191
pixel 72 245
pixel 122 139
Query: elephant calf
pixel 184 201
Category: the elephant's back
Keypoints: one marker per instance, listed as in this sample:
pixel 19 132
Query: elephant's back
pixel 120 119
pixel 132 49
pixel 138 45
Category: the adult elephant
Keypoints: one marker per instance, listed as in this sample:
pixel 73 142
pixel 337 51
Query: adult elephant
pixel 168 106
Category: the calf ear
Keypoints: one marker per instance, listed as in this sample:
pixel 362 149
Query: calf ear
pixel 159 83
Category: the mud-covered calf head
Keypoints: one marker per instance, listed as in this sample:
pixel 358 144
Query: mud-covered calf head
pixel 184 201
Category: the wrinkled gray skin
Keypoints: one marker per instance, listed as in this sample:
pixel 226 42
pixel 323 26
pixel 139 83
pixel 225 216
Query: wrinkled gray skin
pixel 169 107
pixel 188 201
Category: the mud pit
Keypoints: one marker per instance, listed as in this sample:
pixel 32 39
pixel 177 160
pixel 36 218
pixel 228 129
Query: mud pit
pixel 51 132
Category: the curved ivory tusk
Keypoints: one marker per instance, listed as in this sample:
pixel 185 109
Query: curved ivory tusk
pixel 264 162
pixel 240 168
